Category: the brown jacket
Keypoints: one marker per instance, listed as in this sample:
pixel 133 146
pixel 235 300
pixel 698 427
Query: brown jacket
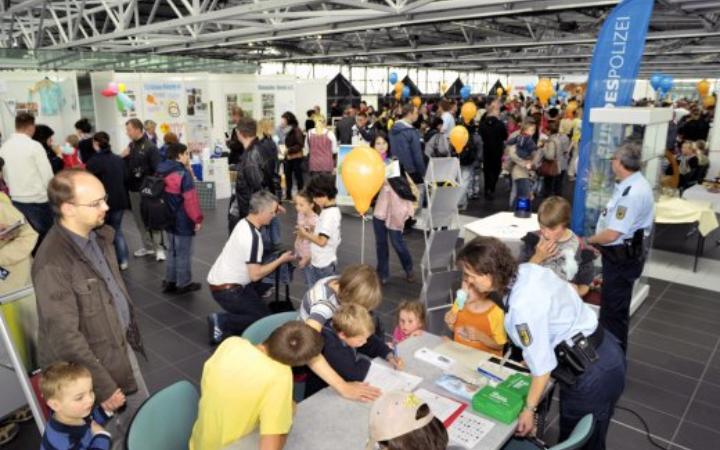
pixel 77 319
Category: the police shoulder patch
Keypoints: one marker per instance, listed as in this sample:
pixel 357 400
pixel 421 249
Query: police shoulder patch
pixel 524 334
pixel 620 213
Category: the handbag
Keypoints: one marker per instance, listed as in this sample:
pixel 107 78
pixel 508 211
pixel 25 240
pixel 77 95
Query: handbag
pixel 548 168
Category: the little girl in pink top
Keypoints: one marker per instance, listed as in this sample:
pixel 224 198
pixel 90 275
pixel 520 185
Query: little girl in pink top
pixel 306 218
pixel 410 321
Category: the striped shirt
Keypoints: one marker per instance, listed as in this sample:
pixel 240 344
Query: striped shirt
pixel 320 302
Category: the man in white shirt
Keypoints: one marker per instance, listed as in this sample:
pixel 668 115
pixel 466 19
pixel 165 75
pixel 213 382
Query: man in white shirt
pixel 235 278
pixel 27 173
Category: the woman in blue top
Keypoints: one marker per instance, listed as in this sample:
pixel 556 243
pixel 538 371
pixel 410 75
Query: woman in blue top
pixel 546 318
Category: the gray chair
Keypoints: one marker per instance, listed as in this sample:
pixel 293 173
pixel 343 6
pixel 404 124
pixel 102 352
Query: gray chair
pixel 439 251
pixel 437 295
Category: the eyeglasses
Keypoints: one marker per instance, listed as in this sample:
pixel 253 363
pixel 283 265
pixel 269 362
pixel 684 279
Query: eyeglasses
pixel 96 204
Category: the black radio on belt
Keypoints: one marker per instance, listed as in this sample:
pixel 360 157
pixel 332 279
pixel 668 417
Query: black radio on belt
pixel 574 359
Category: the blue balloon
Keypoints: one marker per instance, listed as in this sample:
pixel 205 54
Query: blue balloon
pixel 406 92
pixel 465 92
pixel 666 83
pixel 393 78
pixel 530 87
pixel 656 81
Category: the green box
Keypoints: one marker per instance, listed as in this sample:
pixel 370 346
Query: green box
pixel 500 404
pixel 518 384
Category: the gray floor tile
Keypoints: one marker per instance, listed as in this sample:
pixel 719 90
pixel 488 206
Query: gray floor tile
pixel 697 437
pixel 660 424
pixel 670 305
pixel 695 351
pixel 662 359
pixel 661 378
pixel 646 394
pixel 168 314
pixel 164 377
pixel 682 290
pixel 623 438
pixel 154 362
pixel 171 345
pixel 196 331
pixel 193 366
pixel 704 413
pixel 681 319
pixel 709 392
pixel 686 334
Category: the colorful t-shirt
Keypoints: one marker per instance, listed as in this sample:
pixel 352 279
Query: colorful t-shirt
pixel 490 322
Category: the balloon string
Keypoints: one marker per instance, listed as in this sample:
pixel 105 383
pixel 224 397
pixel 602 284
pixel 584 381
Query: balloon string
pixel 362 239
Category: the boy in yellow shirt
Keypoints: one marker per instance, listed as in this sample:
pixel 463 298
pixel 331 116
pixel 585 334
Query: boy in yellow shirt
pixel 248 388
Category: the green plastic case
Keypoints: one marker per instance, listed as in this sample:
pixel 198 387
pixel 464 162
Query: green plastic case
pixel 518 384
pixel 501 404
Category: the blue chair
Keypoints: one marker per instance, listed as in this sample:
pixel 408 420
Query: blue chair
pixel 165 421
pixel 579 437
pixel 259 331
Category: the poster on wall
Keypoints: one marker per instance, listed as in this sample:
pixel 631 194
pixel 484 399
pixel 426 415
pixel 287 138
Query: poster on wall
pixel 343 197
pixel 163 105
pixel 130 113
pixel 244 101
pixel 268 106
pixel 198 120
pixel 26 107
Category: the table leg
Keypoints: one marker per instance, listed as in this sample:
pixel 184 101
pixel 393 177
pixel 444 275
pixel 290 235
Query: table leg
pixel 699 250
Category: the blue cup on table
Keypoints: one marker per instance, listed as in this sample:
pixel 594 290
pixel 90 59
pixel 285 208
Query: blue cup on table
pixel 523 208
pixel 197 170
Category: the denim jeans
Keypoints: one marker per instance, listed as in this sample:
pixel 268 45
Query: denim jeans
pixel 383 252
pixel 39 216
pixel 466 179
pixel 114 219
pixel 271 234
pixel 178 268
pixel 313 274
pixel 243 306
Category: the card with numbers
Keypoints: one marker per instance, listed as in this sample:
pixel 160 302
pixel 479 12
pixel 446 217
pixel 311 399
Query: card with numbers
pixel 468 430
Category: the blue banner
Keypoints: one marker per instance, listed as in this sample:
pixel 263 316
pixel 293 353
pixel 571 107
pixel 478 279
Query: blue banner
pixel 615 64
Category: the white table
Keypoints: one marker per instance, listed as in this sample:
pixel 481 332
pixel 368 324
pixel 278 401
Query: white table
pixel 700 193
pixel 504 226
pixel 326 421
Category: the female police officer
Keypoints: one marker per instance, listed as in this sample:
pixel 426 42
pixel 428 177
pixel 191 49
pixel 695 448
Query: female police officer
pixel 558 333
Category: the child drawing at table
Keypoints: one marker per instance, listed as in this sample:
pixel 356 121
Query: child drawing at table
pixel 477 321
pixel 410 321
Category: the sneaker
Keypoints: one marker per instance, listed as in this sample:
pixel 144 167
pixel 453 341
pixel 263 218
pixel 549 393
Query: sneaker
pixel 143 252
pixel 215 334
pixel 160 255
pixel 410 277
pixel 8 432
pixel 192 287
pixel 269 293
pixel 169 287
pixel 123 266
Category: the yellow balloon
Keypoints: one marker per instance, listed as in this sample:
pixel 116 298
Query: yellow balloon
pixel 458 138
pixel 703 87
pixel 468 111
pixel 398 95
pixel 572 106
pixel 363 174
pixel 417 101
pixel 708 101
pixel 399 87
pixel 499 91
pixel 121 87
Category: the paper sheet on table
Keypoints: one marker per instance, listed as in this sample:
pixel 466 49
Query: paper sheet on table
pixel 468 430
pixel 442 407
pixel 462 354
pixel 389 379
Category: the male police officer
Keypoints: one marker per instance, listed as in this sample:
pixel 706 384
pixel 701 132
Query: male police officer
pixel 623 232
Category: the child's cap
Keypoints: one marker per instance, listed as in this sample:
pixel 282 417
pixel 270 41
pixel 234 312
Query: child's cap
pixel 393 415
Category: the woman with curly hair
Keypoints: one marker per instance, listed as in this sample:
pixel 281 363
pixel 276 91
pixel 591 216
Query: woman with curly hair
pixel 559 336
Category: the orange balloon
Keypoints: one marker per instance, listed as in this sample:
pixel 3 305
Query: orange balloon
pixel 572 106
pixel 417 101
pixel 703 87
pixel 363 174
pixel 398 95
pixel 468 111
pixel 458 138
pixel 399 87
pixel 544 90
pixel 708 101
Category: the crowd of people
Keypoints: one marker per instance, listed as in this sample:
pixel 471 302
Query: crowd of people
pixel 88 336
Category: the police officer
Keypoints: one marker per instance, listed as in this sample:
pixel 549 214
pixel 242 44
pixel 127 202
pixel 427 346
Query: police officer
pixel 623 235
pixel 558 334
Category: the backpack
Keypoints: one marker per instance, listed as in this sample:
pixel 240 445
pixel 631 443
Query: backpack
pixel 155 211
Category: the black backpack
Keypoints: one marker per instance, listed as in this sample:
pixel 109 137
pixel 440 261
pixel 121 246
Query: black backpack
pixel 155 211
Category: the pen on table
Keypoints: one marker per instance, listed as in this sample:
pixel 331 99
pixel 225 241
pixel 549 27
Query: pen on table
pixel 505 357
pixel 489 375
pixel 396 353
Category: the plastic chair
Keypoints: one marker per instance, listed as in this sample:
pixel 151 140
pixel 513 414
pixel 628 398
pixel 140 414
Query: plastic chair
pixel 259 331
pixel 579 437
pixel 165 420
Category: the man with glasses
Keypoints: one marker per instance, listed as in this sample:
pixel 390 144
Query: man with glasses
pixel 623 236
pixel 84 310
pixel 236 277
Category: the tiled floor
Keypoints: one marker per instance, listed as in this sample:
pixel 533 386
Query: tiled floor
pixel 674 365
